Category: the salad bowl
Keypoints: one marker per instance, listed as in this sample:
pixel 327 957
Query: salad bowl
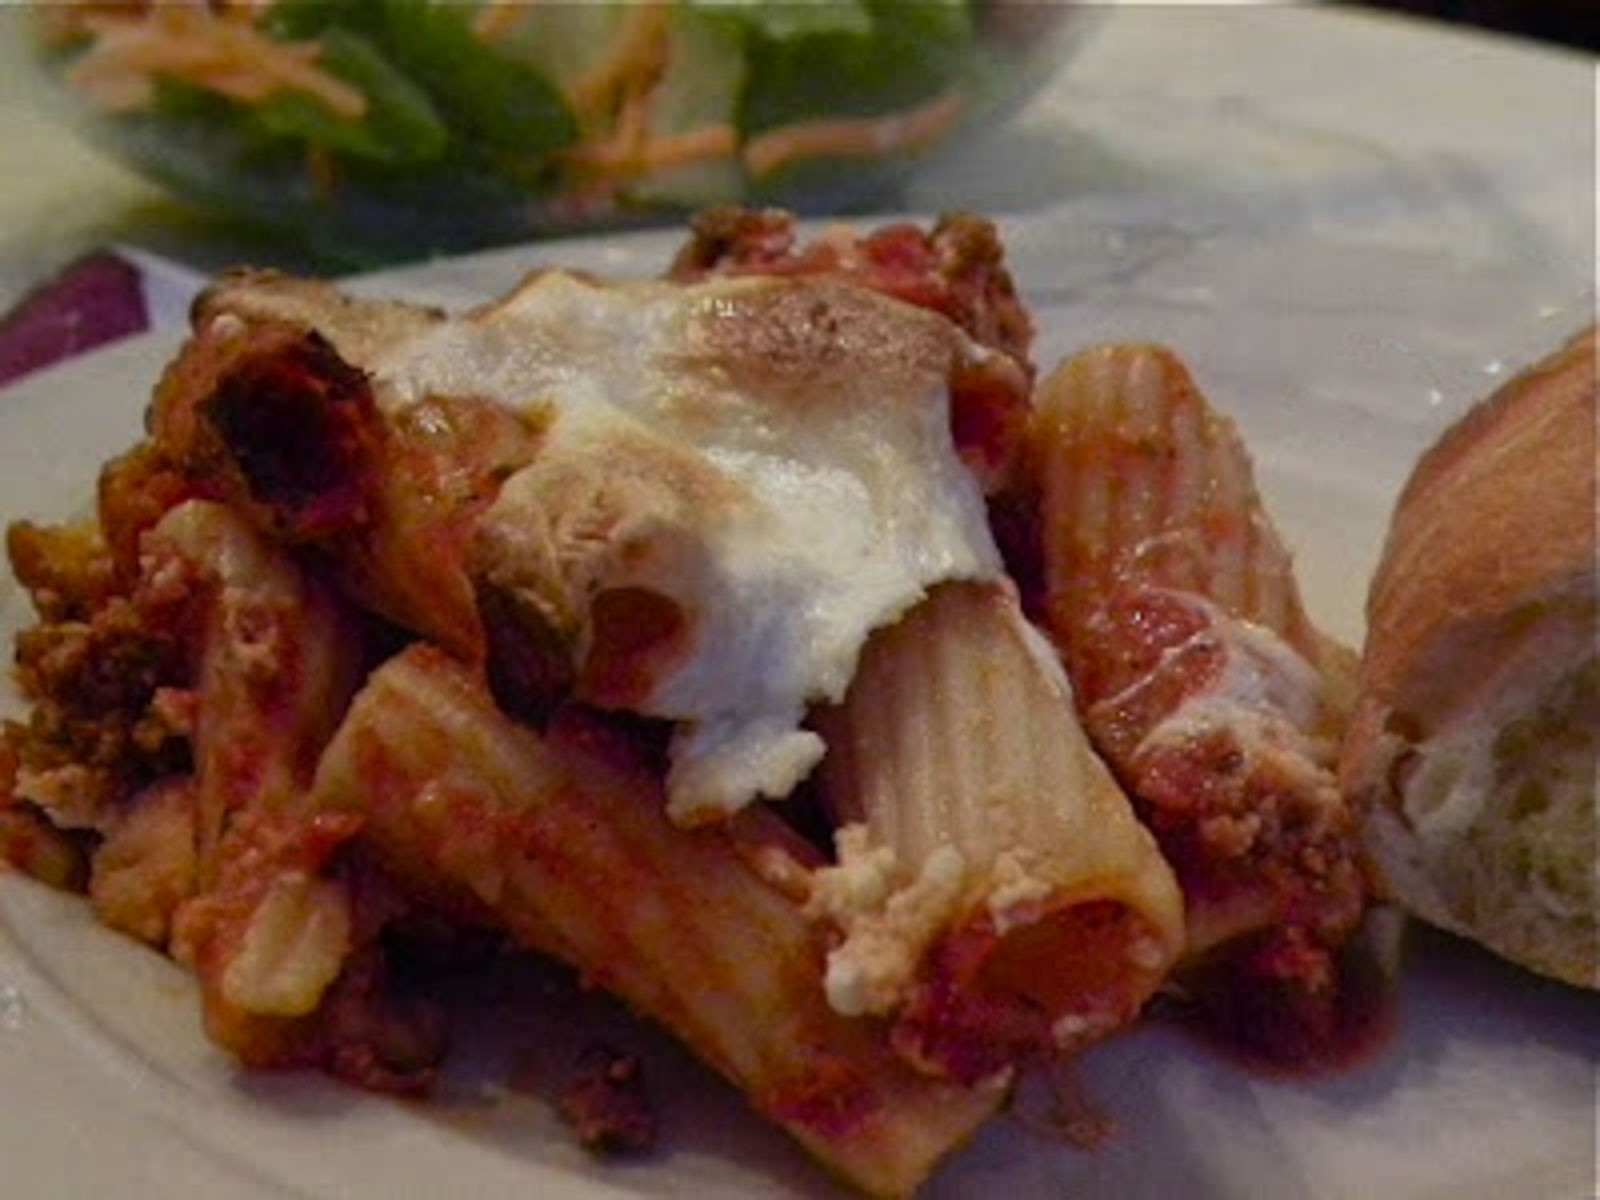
pixel 399 129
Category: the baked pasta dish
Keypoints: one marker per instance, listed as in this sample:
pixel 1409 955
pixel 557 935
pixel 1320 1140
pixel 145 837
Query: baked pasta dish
pixel 770 641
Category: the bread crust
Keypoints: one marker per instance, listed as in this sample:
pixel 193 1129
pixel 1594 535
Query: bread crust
pixel 1501 510
pixel 1482 610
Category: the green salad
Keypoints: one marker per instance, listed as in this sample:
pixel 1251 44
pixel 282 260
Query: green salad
pixel 404 126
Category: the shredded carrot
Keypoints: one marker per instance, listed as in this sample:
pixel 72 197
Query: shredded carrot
pixel 633 119
pixel 635 64
pixel 247 11
pixel 615 102
pixel 865 137
pixel 656 151
pixel 497 18
pixel 216 53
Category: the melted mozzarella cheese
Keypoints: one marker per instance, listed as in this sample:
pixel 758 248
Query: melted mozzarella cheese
pixel 773 457
pixel 1267 693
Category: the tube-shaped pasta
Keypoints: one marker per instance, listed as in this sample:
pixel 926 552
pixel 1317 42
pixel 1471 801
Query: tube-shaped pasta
pixel 1201 678
pixel 1019 906
pixel 276 662
pixel 279 935
pixel 270 406
pixel 1145 482
pixel 562 838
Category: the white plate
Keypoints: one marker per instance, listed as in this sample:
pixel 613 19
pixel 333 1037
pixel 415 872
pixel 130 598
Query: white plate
pixel 1339 363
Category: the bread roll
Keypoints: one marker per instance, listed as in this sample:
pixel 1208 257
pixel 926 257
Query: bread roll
pixel 1473 749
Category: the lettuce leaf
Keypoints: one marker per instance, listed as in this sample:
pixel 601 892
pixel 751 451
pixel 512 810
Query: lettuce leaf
pixel 495 99
pixel 400 125
pixel 910 53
